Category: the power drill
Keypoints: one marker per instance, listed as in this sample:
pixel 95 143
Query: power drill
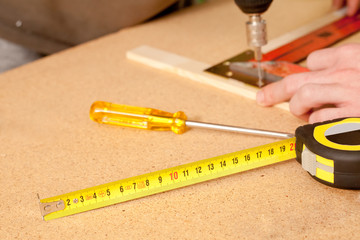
pixel 255 28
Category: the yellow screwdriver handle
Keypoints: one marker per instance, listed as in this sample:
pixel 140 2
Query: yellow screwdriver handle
pixel 138 117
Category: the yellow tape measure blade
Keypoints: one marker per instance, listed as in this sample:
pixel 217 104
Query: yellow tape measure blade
pixel 167 179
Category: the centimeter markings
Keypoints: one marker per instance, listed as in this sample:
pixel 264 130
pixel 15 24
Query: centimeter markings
pixel 168 179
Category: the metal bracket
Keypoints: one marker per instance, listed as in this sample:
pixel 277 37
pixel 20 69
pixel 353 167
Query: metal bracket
pixel 223 68
pixel 243 68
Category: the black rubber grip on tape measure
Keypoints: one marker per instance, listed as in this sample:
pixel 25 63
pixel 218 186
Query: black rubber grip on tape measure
pixel 346 163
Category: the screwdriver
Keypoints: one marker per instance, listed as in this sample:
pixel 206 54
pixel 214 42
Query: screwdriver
pixel 153 119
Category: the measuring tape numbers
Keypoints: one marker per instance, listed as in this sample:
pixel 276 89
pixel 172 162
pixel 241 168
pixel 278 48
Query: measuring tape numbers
pixel 167 179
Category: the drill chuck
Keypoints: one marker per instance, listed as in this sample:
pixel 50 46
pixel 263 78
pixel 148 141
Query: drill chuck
pixel 256 33
pixel 256 26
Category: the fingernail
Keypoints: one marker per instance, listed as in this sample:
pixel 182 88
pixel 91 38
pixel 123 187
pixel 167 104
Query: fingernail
pixel 260 98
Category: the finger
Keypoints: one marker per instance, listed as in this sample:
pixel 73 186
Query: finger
pixel 313 95
pixel 280 91
pixel 321 59
pixel 353 7
pixel 283 90
pixel 332 113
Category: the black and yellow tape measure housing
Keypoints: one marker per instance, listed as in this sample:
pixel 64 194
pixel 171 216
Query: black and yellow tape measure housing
pixel 330 151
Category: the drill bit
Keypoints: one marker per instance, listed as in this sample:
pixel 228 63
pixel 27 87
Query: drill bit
pixel 260 74
pixel 260 71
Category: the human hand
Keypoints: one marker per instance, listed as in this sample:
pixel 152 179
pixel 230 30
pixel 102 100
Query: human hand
pixel 330 90
pixel 352 5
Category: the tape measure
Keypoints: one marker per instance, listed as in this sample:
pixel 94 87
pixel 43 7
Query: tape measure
pixel 329 151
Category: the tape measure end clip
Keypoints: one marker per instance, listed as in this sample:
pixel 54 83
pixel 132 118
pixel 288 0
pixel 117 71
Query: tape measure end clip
pixel 50 207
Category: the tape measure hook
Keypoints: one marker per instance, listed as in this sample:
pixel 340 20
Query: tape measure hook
pixel 50 207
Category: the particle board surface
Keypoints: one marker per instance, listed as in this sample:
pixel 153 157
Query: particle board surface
pixel 49 146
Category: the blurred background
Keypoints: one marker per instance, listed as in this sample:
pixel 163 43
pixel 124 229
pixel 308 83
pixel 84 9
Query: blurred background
pixel 30 30
pixel 13 55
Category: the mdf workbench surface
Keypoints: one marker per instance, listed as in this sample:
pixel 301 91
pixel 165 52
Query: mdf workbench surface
pixel 49 146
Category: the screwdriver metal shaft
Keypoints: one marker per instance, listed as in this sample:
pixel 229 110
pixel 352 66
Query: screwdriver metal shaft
pixel 251 131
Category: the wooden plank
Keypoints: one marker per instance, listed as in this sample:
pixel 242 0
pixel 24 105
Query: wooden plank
pixel 189 68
